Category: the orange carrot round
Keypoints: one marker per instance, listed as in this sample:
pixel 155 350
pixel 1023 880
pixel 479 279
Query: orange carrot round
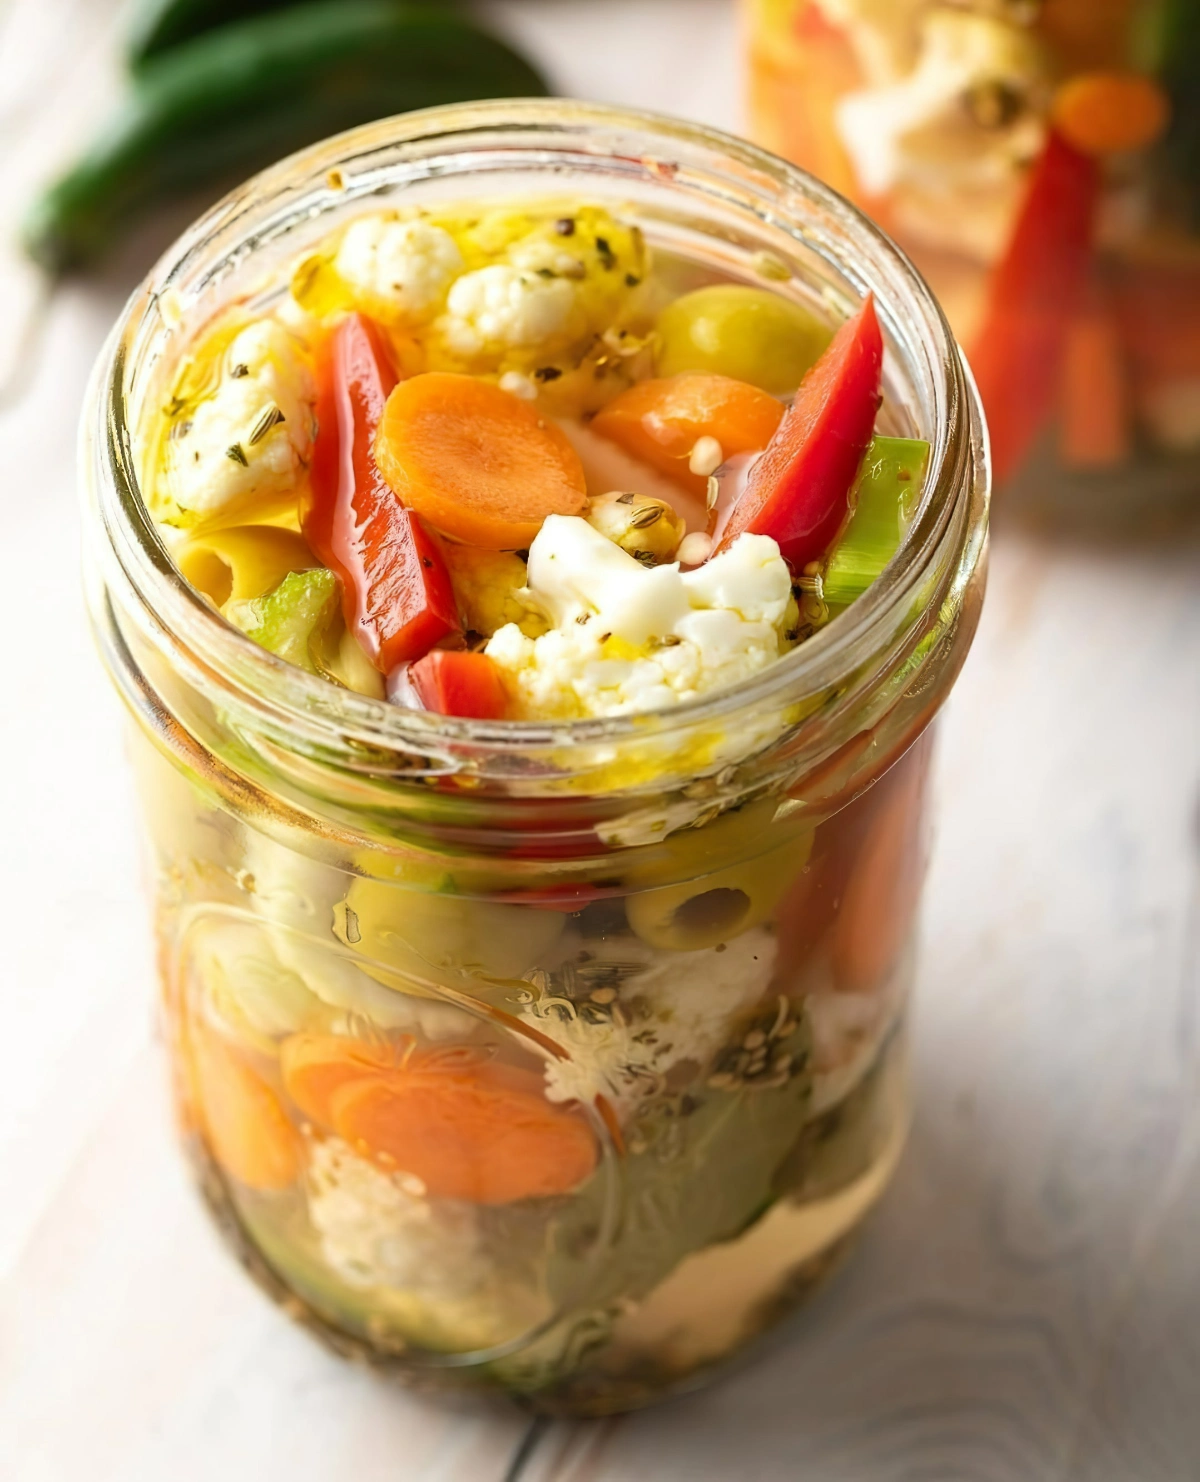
pixel 248 1130
pixel 660 422
pixel 475 462
pixel 880 898
pixel 315 1066
pixel 479 1132
pixel 1110 112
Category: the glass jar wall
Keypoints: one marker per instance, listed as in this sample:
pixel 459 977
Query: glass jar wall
pixel 1039 160
pixel 558 1059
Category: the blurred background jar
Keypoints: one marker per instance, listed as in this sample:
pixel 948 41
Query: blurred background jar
pixel 1040 160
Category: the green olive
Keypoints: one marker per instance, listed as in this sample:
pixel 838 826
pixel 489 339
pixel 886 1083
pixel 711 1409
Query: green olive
pixel 716 907
pixel 748 333
pixel 420 935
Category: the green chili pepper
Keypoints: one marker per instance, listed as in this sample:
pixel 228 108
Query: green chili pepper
pixel 884 500
pixel 234 100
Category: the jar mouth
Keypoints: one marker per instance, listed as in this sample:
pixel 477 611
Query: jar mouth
pixel 555 143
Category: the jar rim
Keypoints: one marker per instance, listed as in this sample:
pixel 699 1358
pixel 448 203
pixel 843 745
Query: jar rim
pixel 429 139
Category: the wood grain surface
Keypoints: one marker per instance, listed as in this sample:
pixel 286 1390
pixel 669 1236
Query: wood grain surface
pixel 1025 1306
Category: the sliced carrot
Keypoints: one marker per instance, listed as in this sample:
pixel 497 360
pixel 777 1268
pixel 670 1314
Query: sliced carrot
pixel 248 1130
pixel 1110 112
pixel 660 422
pixel 314 1066
pixel 880 897
pixel 481 1132
pixel 1095 427
pixel 475 462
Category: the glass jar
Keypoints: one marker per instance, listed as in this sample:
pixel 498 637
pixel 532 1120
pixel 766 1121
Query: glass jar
pixel 555 1058
pixel 1038 159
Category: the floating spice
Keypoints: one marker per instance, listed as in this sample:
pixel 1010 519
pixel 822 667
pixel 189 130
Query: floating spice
pixel 270 418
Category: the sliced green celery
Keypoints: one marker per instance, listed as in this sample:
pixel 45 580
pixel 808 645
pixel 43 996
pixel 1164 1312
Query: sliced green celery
pixel 884 500
pixel 290 619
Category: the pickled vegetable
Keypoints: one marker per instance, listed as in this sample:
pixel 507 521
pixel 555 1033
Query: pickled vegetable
pixel 798 492
pixel 1032 297
pixel 884 500
pixel 247 1127
pixel 451 682
pixel 396 590
pixel 649 529
pixel 475 461
pixel 665 422
pixel 482 1132
pixel 717 907
pixel 291 620
pixel 748 334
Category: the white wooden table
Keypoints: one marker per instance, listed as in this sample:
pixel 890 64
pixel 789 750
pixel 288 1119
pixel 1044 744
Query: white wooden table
pixel 1025 1305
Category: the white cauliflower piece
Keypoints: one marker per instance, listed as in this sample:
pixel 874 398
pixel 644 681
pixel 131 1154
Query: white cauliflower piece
pixel 376 1229
pixel 247 443
pixel 672 1007
pixel 298 898
pixel 847 1032
pixel 954 178
pixel 503 307
pixel 695 997
pixel 887 130
pixel 541 255
pixel 341 985
pixel 401 268
pixel 628 638
pixel 246 988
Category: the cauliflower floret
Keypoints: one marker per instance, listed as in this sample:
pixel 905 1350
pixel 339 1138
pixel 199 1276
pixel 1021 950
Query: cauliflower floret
pixel 488 585
pixel 539 288
pixel 399 270
pixel 541 255
pixel 501 308
pixel 847 1031
pixel 298 899
pixel 246 989
pixel 243 446
pixel 627 637
pixel 376 1229
pixel 951 139
pixel 673 1007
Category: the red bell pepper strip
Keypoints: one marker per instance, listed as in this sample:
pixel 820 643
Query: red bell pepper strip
pixel 798 491
pixel 455 682
pixel 1033 295
pixel 396 590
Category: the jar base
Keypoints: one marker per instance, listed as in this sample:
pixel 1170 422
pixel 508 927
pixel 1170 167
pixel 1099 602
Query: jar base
pixel 591 1394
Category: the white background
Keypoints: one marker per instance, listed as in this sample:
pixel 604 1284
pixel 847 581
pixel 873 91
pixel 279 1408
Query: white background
pixel 1026 1304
